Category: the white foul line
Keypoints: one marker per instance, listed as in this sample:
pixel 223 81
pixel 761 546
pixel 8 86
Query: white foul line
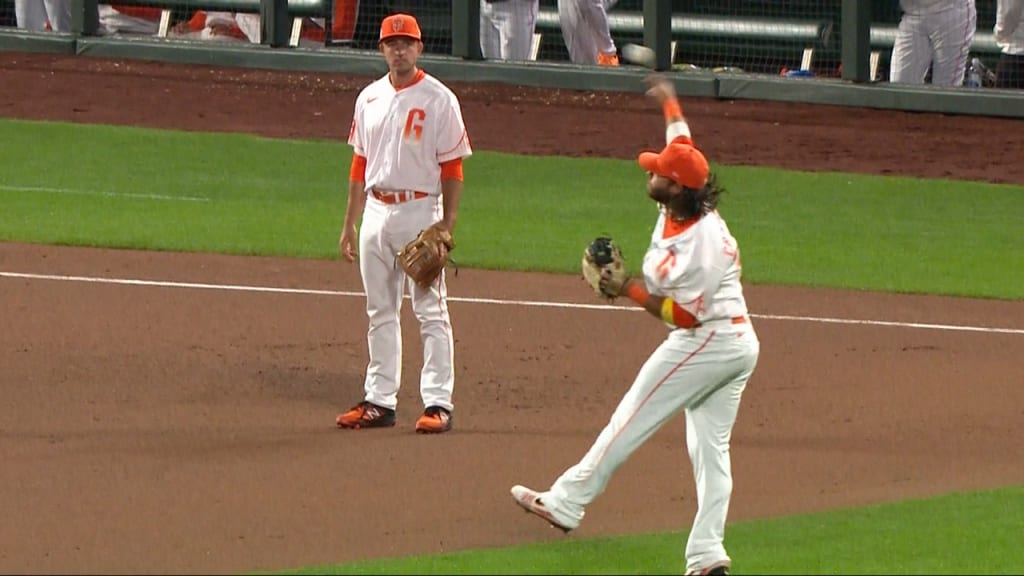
pixel 97 193
pixel 533 303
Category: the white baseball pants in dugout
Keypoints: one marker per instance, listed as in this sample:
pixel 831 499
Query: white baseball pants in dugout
pixel 938 36
pixel 34 14
pixel 584 27
pixel 704 371
pixel 385 230
pixel 506 28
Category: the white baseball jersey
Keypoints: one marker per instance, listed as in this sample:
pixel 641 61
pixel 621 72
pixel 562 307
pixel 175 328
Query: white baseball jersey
pixel 696 264
pixel 405 134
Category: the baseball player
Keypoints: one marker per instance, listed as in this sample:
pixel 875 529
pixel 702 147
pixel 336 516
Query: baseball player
pixel 1009 32
pixel 691 281
pixel 507 27
pixel 36 14
pixel 409 139
pixel 120 19
pixel 934 34
pixel 221 27
pixel 586 32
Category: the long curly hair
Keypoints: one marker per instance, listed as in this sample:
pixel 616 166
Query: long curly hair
pixel 690 202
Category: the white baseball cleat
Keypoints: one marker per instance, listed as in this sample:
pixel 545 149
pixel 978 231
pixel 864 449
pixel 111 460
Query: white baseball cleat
pixel 530 501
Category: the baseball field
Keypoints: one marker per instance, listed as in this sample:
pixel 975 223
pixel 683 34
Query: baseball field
pixel 179 335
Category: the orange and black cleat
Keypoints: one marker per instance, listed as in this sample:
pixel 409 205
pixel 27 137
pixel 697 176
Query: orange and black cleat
pixel 434 421
pixel 366 415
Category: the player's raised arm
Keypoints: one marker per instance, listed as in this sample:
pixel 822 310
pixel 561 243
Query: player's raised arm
pixel 664 92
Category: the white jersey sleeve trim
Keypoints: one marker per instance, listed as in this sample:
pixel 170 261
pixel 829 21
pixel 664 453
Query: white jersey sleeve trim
pixel 675 130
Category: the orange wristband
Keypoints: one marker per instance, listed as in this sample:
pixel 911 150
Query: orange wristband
pixel 637 293
pixel 671 108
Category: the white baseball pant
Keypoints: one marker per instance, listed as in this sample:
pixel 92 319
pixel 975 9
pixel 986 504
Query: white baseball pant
pixel 33 14
pixel 385 230
pixel 940 40
pixel 506 29
pixel 585 28
pixel 703 371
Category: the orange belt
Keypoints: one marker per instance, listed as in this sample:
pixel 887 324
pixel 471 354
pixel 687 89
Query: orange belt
pixel 397 196
pixel 733 320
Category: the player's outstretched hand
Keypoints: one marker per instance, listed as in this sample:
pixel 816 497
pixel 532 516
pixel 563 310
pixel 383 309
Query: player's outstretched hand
pixel 660 88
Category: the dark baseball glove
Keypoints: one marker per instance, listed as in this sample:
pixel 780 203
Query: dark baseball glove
pixel 425 257
pixel 604 267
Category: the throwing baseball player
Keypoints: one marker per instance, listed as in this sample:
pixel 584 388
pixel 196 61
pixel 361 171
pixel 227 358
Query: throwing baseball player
pixel 586 32
pixel 934 34
pixel 691 282
pixel 409 139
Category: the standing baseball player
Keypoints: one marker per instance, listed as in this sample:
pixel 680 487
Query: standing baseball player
pixel 507 27
pixel 934 34
pixel 1009 32
pixel 36 14
pixel 409 140
pixel 586 32
pixel 691 282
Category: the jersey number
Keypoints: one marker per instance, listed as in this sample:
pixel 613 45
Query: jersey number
pixel 414 124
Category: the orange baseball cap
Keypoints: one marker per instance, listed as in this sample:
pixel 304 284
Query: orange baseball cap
pixel 680 162
pixel 399 25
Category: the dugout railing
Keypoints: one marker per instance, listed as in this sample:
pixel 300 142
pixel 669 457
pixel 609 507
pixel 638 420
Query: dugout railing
pixel 849 35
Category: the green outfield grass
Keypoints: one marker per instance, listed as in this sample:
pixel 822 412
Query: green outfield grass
pixel 971 533
pixel 166 190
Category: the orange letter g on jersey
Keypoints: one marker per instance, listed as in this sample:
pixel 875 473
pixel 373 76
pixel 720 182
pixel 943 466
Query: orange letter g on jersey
pixel 414 124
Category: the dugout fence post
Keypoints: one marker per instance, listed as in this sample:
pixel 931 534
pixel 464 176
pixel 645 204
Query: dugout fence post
pixel 85 17
pixel 856 39
pixel 466 30
pixel 275 23
pixel 658 31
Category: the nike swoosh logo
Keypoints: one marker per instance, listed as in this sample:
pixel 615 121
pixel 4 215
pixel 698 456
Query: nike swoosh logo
pixel 368 100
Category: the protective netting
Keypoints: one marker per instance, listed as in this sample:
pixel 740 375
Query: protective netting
pixel 787 37
pixel 754 36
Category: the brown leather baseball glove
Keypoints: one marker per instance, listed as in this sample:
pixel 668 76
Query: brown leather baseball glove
pixel 604 267
pixel 425 257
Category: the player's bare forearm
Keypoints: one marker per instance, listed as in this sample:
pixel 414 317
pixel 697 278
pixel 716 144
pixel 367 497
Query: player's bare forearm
pixel 353 208
pixel 637 293
pixel 451 193
pixel 660 307
pixel 355 204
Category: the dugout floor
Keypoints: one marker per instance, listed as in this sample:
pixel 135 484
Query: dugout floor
pixel 162 426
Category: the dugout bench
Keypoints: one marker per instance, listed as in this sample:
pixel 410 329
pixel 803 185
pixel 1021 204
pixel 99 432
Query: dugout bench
pixel 281 20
